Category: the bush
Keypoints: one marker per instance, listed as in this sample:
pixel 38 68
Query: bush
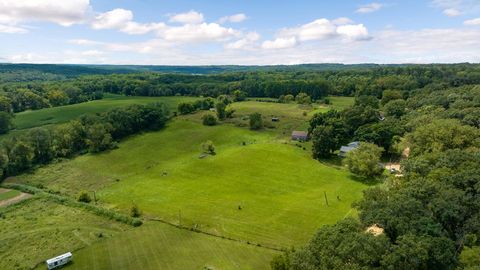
pixel 209 120
pixel 83 196
pixel 256 121
pixel 135 211
pixel 208 148
pixel 220 108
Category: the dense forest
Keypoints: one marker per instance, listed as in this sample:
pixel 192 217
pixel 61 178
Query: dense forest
pixel 429 217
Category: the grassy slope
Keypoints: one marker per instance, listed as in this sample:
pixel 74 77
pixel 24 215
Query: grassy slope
pixel 277 184
pixel 55 115
pixel 9 194
pixel 37 229
pixel 340 103
pixel 159 246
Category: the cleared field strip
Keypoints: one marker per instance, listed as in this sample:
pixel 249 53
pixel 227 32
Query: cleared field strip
pixel 159 246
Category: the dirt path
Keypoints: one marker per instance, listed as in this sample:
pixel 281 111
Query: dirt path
pixel 19 198
pixel 3 190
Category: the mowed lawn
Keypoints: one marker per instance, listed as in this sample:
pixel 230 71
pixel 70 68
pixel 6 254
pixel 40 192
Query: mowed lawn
pixel 55 115
pixel 158 246
pixel 37 229
pixel 265 191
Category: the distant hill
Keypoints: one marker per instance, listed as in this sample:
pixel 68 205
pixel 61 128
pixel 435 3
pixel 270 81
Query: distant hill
pixel 29 72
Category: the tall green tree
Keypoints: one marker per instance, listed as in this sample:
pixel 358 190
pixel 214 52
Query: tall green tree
pixel 365 160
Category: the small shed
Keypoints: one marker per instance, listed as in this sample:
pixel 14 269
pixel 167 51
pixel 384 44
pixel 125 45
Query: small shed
pixel 347 148
pixel 275 119
pixel 299 136
pixel 59 261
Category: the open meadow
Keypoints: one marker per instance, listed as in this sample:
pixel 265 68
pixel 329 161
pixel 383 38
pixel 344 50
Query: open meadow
pixel 260 191
pixel 55 115
pixel 257 188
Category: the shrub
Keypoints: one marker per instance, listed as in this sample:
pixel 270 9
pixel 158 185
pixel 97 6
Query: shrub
pixel 209 120
pixel 135 211
pixel 83 196
pixel 256 121
pixel 208 148
pixel 220 108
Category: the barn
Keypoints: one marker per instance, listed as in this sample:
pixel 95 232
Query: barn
pixel 299 136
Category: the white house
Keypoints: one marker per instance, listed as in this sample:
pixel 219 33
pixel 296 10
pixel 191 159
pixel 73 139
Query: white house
pixel 59 260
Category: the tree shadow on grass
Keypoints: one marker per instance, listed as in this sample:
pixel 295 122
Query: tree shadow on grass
pixel 369 181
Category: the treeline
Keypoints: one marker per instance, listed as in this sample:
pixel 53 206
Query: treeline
pixel 90 133
pixel 361 80
pixel 429 218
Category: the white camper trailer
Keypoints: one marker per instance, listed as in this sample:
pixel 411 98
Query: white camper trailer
pixel 59 261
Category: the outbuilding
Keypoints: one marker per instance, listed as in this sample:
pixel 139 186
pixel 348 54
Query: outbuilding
pixel 349 147
pixel 299 136
pixel 59 261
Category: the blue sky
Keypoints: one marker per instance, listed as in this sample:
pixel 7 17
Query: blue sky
pixel 259 32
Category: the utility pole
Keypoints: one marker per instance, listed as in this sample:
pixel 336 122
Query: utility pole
pixel 325 194
pixel 94 197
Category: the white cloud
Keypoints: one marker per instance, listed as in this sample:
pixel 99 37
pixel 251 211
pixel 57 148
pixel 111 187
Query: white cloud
pixel 236 18
pixel 453 8
pixel 369 8
pixel 248 42
pixel 61 12
pixel 472 22
pixel 114 19
pixel 203 32
pixel 122 20
pixel 92 53
pixel 191 17
pixel 279 43
pixel 85 42
pixel 452 12
pixel 342 21
pixel 11 29
pixel 316 30
pixel 320 29
pixel 353 32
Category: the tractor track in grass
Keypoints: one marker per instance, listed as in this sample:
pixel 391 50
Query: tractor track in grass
pixel 215 235
pixel 16 199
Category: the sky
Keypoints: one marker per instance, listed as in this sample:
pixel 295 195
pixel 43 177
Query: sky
pixel 239 32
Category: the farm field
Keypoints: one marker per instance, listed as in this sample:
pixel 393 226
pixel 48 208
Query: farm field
pixel 36 229
pixel 267 191
pixel 55 115
pixel 158 246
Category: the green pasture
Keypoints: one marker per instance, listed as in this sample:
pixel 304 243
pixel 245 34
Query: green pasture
pixel 55 115
pixel 37 229
pixel 278 186
pixel 158 246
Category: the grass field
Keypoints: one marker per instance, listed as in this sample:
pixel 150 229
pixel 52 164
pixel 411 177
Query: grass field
pixel 55 115
pixel 259 187
pixel 158 246
pixel 340 103
pixel 37 229
pixel 9 194
pixel 279 186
